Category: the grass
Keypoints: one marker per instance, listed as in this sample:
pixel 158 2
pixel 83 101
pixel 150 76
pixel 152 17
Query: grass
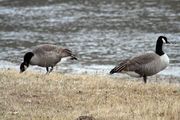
pixel 59 96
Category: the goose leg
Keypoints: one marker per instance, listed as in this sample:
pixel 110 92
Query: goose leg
pixel 145 79
pixel 47 69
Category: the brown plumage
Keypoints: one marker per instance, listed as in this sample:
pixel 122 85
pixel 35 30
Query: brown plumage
pixel 146 64
pixel 138 64
pixel 45 55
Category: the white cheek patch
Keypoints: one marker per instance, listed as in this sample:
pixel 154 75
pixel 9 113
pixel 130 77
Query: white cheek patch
pixel 164 41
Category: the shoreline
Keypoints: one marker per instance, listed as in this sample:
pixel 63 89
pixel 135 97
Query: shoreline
pixel 81 69
pixel 158 78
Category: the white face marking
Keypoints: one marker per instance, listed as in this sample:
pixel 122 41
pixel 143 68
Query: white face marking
pixel 164 41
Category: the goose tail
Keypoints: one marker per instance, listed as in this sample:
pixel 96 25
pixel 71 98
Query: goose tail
pixel 118 68
pixel 68 53
pixel 73 57
pixel 113 71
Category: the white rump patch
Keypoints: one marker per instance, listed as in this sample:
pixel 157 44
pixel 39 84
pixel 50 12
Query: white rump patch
pixel 132 74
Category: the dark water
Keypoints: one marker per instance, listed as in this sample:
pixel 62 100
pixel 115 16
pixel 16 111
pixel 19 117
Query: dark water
pixel 100 32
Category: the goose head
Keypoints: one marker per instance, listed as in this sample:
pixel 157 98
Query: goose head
pixel 25 64
pixel 159 45
pixel 163 40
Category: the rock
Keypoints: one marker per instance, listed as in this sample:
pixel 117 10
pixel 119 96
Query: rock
pixel 85 118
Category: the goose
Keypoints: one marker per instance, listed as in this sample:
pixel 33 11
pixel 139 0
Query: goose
pixel 146 64
pixel 45 55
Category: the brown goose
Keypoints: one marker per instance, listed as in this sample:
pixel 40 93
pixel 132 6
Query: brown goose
pixel 147 64
pixel 45 55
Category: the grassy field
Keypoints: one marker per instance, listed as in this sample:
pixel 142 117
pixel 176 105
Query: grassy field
pixel 59 96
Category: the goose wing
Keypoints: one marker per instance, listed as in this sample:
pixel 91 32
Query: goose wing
pixel 46 55
pixel 43 49
pixel 135 63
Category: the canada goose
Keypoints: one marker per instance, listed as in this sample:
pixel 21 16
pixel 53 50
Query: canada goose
pixel 45 55
pixel 146 64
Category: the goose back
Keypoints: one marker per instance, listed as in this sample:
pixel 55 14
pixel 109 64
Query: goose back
pixel 46 55
pixel 145 64
pixel 155 64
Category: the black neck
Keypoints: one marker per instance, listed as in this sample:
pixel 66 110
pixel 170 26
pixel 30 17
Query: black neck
pixel 159 46
pixel 27 58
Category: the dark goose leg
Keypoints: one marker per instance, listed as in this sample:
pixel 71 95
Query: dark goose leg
pixel 47 69
pixel 145 79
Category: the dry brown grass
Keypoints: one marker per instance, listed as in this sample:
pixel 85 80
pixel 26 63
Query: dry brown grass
pixel 65 97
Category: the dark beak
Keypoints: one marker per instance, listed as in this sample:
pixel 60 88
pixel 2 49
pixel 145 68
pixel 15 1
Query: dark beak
pixel 168 42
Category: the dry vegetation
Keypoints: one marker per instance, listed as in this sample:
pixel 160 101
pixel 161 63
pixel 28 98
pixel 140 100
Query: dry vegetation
pixel 65 97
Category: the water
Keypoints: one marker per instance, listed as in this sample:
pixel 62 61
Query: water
pixel 100 32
